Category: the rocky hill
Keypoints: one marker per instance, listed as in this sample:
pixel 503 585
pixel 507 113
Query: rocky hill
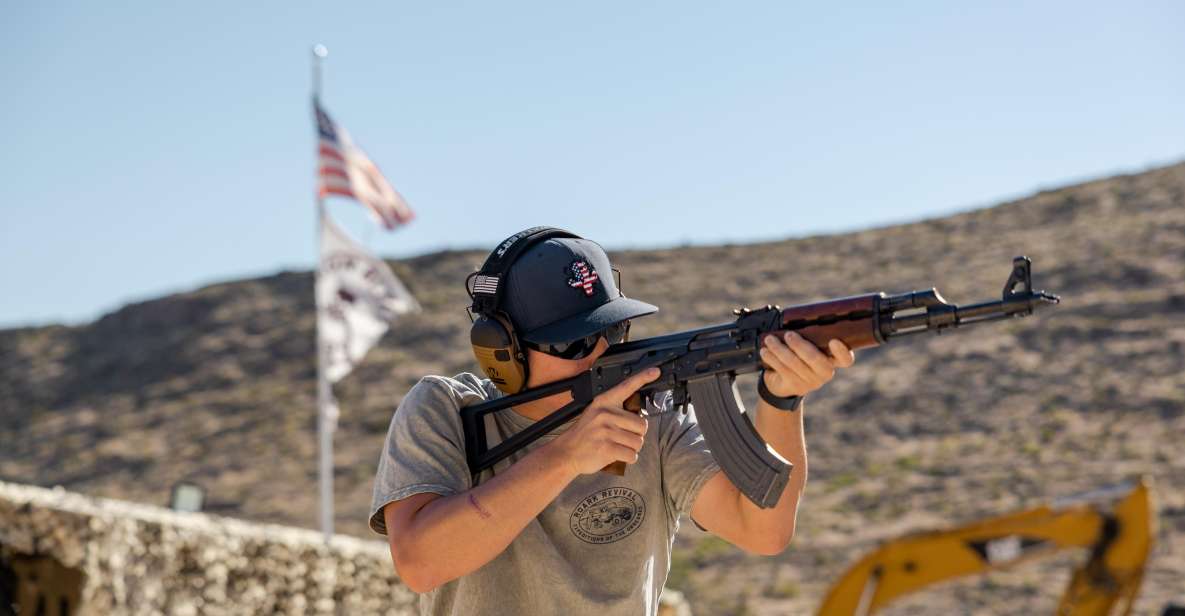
pixel 217 386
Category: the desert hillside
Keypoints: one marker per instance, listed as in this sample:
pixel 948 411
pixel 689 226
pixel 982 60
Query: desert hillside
pixel 217 386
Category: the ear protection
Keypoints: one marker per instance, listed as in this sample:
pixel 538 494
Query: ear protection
pixel 495 343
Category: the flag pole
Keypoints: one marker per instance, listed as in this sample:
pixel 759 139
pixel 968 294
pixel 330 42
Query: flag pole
pixel 326 417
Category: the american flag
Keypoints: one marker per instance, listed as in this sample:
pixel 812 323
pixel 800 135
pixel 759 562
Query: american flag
pixel 345 170
pixel 583 277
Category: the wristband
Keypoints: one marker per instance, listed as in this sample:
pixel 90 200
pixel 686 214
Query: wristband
pixel 788 403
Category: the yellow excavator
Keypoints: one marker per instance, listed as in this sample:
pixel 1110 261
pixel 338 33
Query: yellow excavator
pixel 1116 524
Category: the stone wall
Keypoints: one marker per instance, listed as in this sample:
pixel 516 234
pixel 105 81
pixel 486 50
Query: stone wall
pixel 141 559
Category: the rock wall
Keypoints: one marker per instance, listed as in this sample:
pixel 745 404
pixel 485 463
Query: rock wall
pixel 141 559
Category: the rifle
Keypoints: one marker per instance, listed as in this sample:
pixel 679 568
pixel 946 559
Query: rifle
pixel 700 366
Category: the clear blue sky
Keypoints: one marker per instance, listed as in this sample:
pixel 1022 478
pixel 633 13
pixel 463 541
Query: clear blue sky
pixel 156 148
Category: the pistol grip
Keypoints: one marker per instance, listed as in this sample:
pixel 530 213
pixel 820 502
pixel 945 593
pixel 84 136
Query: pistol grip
pixel 633 404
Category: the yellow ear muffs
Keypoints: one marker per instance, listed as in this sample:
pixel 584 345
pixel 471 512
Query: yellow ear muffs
pixel 496 349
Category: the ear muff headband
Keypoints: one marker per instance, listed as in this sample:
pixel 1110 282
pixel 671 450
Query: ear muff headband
pixel 495 343
pixel 487 289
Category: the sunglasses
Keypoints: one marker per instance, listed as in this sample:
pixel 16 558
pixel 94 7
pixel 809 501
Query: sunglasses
pixel 583 347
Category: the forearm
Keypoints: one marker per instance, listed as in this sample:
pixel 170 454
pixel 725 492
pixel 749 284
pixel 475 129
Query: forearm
pixel 784 432
pixel 455 535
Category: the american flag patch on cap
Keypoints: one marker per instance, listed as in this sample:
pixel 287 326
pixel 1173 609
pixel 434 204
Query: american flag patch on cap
pixel 485 284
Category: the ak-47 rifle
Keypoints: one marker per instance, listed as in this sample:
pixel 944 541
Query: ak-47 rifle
pixel 699 366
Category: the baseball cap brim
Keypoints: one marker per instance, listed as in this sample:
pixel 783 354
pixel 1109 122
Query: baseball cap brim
pixel 590 322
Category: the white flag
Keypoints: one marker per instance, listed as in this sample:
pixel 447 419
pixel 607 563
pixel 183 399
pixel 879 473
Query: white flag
pixel 357 297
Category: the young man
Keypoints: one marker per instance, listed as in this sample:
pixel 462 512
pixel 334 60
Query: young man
pixel 545 532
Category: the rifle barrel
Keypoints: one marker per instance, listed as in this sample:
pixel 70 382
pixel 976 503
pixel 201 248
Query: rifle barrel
pixel 939 317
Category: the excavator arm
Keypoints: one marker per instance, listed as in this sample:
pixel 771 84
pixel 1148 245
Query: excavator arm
pixel 1115 524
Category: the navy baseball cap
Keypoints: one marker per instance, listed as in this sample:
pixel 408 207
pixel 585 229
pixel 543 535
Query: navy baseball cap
pixel 562 289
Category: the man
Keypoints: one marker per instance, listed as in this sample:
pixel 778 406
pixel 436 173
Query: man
pixel 545 532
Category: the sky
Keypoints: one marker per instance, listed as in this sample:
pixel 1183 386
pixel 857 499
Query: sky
pixel 158 147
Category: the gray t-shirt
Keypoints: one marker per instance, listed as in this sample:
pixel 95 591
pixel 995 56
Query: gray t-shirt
pixel 602 547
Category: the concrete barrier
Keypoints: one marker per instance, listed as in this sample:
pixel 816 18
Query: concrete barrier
pixel 128 558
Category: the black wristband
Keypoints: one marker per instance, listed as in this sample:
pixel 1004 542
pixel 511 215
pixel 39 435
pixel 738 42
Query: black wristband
pixel 789 403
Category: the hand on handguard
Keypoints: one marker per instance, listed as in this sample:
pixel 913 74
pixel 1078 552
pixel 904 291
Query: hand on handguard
pixel 797 367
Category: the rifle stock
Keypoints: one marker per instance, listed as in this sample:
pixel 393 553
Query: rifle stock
pixel 700 366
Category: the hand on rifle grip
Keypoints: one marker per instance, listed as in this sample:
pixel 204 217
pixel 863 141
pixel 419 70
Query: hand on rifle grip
pixel 633 403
